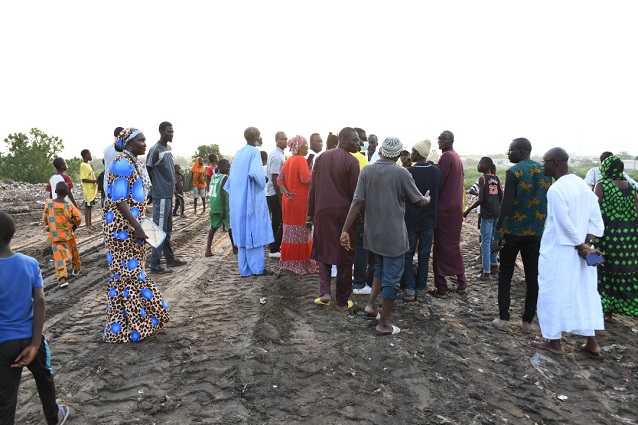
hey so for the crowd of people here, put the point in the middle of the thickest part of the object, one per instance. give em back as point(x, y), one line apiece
point(357, 212)
point(367, 220)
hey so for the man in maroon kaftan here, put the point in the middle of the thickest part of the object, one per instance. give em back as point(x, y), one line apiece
point(334, 178)
point(447, 258)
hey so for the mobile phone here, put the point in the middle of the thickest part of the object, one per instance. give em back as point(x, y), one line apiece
point(594, 259)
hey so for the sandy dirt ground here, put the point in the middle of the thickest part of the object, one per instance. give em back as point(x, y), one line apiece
point(258, 351)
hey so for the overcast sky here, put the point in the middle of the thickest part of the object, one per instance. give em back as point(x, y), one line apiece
point(561, 73)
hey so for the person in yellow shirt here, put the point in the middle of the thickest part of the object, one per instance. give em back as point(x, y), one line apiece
point(361, 157)
point(89, 185)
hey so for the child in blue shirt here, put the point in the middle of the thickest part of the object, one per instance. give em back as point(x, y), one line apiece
point(22, 344)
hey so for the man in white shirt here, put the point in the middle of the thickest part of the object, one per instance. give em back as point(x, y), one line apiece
point(594, 174)
point(316, 146)
point(274, 165)
point(373, 155)
point(109, 154)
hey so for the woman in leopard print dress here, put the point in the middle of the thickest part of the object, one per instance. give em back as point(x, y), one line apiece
point(135, 307)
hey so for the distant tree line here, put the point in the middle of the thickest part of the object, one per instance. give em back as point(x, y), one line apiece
point(29, 157)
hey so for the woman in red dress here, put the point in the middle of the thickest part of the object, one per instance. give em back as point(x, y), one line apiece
point(294, 182)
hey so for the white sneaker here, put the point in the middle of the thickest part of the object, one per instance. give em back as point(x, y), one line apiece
point(274, 255)
point(366, 290)
point(63, 414)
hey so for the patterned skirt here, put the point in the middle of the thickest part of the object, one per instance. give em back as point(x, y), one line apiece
point(618, 276)
point(135, 307)
point(296, 244)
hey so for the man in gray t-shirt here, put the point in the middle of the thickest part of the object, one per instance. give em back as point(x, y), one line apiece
point(159, 163)
point(382, 189)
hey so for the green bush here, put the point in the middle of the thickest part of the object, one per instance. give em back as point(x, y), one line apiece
point(30, 157)
point(580, 172)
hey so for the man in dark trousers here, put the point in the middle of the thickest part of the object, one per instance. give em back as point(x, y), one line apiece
point(421, 221)
point(274, 165)
point(520, 225)
point(334, 178)
point(159, 163)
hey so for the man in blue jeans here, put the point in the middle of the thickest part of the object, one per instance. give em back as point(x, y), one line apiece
point(360, 284)
point(382, 189)
point(420, 221)
point(490, 196)
point(159, 163)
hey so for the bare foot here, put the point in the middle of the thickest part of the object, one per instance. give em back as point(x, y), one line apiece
point(208, 253)
point(551, 346)
point(608, 317)
point(387, 330)
point(370, 312)
point(346, 307)
point(323, 300)
point(592, 347)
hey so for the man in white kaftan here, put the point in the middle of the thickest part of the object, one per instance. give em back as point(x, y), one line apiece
point(249, 216)
point(568, 299)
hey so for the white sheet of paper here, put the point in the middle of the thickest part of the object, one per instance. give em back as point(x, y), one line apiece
point(155, 234)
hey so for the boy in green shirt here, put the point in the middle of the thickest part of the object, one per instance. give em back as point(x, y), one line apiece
point(219, 207)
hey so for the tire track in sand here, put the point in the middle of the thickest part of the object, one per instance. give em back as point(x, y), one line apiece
point(184, 373)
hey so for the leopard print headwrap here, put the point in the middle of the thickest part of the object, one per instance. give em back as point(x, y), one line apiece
point(126, 135)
